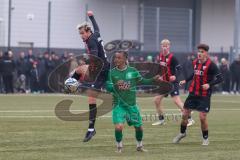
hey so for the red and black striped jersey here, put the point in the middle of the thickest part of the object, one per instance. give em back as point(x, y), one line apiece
point(169, 64)
point(204, 73)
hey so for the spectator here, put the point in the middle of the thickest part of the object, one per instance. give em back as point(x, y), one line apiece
point(131, 59)
point(42, 72)
point(22, 64)
point(64, 57)
point(187, 70)
point(44, 78)
point(30, 59)
point(56, 59)
point(235, 72)
point(49, 65)
point(8, 68)
point(141, 59)
point(34, 78)
point(224, 69)
point(1, 80)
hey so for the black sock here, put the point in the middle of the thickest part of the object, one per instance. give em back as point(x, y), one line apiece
point(92, 115)
point(205, 134)
point(189, 117)
point(161, 117)
point(183, 129)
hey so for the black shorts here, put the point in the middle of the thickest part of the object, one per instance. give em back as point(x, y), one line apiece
point(199, 103)
point(99, 83)
point(175, 90)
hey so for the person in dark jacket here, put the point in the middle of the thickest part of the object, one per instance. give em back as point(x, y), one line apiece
point(8, 68)
point(1, 81)
point(224, 69)
point(21, 64)
point(30, 59)
point(34, 78)
point(187, 70)
point(235, 70)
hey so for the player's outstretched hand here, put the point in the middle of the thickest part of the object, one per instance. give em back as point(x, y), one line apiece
point(206, 86)
point(172, 78)
point(158, 78)
point(182, 82)
point(90, 13)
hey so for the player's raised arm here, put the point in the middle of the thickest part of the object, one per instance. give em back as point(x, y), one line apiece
point(94, 23)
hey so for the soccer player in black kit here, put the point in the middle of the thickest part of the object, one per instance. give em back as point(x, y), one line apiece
point(97, 59)
point(170, 70)
point(206, 74)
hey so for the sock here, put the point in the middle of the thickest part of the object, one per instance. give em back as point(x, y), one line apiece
point(139, 144)
point(183, 129)
point(189, 117)
point(119, 144)
point(118, 136)
point(92, 115)
point(205, 134)
point(161, 117)
point(139, 135)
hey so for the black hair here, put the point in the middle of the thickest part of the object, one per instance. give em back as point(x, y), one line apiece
point(125, 53)
point(203, 46)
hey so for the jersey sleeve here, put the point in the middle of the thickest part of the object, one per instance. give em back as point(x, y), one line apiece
point(190, 77)
point(141, 80)
point(175, 66)
point(217, 75)
point(94, 23)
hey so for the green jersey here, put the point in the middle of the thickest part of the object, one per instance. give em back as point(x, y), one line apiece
point(123, 84)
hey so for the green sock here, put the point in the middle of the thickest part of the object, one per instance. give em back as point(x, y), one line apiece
point(139, 134)
point(118, 135)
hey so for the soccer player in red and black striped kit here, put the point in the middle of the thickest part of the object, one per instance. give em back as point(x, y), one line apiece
point(170, 71)
point(98, 59)
point(206, 74)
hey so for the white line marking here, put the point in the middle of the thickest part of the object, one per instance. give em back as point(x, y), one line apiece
point(52, 111)
point(104, 116)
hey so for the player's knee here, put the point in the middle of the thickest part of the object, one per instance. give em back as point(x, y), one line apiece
point(157, 99)
point(92, 100)
point(184, 117)
point(119, 127)
point(176, 101)
point(203, 117)
point(184, 120)
point(139, 128)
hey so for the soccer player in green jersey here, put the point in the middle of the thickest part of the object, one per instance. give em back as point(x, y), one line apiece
point(122, 82)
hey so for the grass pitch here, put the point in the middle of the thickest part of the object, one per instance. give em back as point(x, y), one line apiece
point(29, 130)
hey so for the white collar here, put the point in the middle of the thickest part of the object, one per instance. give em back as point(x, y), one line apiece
point(122, 69)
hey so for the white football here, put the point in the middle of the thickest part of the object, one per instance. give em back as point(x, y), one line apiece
point(71, 85)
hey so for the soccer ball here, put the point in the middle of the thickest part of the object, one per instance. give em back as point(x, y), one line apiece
point(71, 85)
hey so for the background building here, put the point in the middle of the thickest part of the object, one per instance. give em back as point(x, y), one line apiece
point(185, 22)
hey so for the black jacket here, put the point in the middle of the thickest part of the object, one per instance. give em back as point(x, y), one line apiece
point(7, 66)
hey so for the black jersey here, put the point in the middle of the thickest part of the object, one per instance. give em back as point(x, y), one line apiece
point(95, 43)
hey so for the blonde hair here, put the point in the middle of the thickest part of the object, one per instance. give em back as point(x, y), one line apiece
point(165, 41)
point(85, 25)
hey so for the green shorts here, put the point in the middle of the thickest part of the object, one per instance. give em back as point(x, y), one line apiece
point(131, 114)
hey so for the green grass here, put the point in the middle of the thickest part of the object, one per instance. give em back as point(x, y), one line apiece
point(29, 130)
